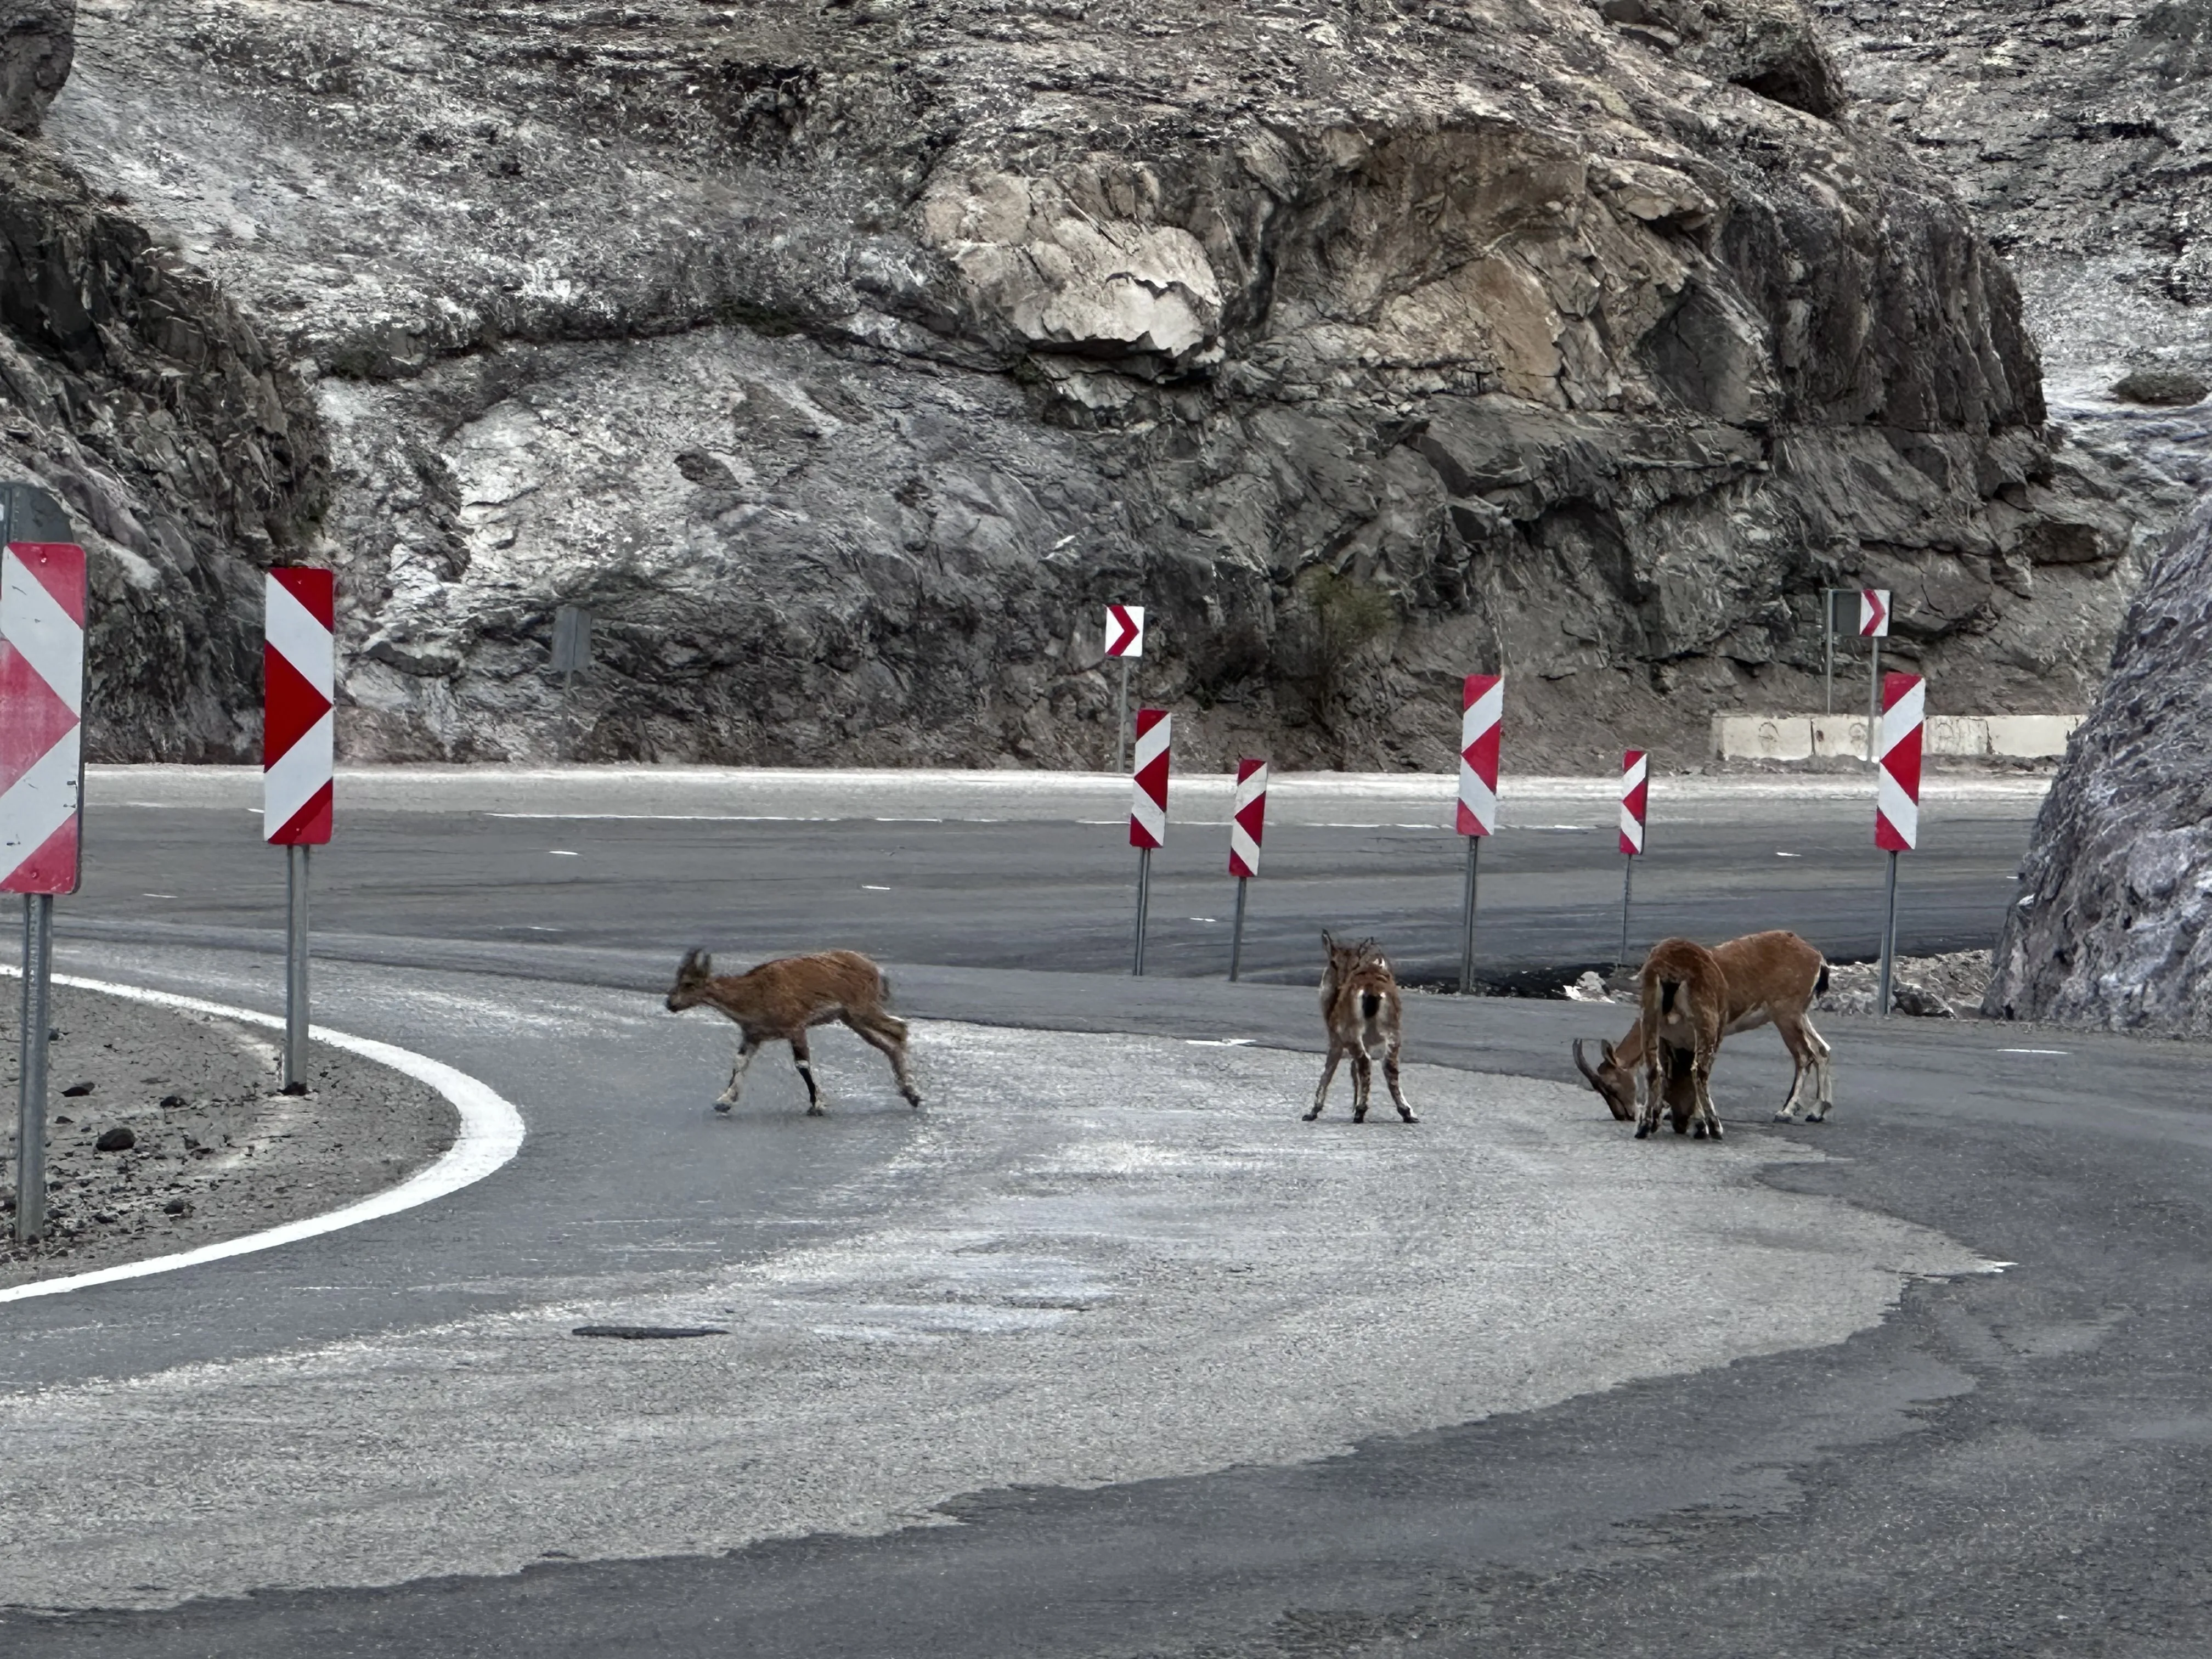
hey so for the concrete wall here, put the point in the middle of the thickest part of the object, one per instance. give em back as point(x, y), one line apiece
point(1801, 736)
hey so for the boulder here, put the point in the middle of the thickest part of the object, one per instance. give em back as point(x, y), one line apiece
point(2112, 925)
point(38, 39)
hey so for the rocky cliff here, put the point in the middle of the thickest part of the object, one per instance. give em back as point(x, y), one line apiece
point(2113, 925)
point(843, 359)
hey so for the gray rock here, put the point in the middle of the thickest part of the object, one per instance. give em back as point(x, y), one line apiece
point(1906, 998)
point(2161, 387)
point(118, 1140)
point(37, 39)
point(2110, 926)
point(843, 361)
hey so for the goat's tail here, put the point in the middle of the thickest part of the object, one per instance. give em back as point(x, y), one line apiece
point(1371, 1004)
point(1668, 989)
point(1820, 985)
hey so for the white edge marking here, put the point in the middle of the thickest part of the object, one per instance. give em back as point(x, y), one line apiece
point(491, 1134)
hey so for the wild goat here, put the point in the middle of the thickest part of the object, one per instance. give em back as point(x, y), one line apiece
point(1359, 1004)
point(1684, 993)
point(783, 998)
point(1771, 976)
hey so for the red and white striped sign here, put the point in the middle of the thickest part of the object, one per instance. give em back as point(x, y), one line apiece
point(299, 665)
point(1897, 797)
point(1247, 820)
point(1125, 630)
point(1635, 798)
point(1480, 715)
point(1873, 613)
point(42, 588)
point(1148, 813)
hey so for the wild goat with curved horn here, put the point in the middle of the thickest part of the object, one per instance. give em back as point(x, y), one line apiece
point(783, 999)
point(1773, 976)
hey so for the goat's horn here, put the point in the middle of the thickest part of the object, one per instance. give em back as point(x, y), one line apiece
point(1585, 1065)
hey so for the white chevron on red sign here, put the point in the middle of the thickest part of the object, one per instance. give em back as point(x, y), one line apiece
point(42, 588)
point(1148, 814)
point(1479, 717)
point(1635, 798)
point(298, 728)
point(1125, 630)
point(1873, 613)
point(1248, 819)
point(1897, 786)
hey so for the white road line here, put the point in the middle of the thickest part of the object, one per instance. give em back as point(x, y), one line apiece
point(491, 1134)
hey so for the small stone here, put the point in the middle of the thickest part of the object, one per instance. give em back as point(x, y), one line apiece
point(170, 1103)
point(178, 1206)
point(78, 1091)
point(294, 1089)
point(118, 1140)
point(1910, 998)
point(63, 1117)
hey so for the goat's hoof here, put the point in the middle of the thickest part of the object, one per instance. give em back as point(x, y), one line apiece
point(723, 1107)
point(818, 1111)
point(1409, 1117)
point(1717, 1135)
point(913, 1099)
point(1817, 1117)
point(1791, 1117)
point(1642, 1132)
point(1311, 1115)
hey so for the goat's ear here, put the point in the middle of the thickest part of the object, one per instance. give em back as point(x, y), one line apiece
point(1328, 940)
point(1606, 1048)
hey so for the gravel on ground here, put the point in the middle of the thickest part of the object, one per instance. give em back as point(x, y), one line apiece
point(204, 1146)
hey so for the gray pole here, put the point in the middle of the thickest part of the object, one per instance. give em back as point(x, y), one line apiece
point(296, 972)
point(1627, 886)
point(1873, 699)
point(1467, 936)
point(1121, 722)
point(1828, 650)
point(31, 1097)
point(1888, 942)
point(1144, 903)
point(1236, 932)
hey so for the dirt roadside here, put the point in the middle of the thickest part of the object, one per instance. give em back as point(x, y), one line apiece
point(217, 1148)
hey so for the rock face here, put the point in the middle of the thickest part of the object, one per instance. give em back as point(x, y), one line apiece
point(2113, 926)
point(37, 40)
point(2081, 139)
point(844, 361)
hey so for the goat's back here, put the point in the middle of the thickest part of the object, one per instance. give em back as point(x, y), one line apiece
point(795, 990)
point(1682, 981)
point(1775, 969)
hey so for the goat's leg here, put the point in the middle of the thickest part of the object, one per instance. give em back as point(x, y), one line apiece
point(1391, 1077)
point(887, 1037)
point(1327, 1077)
point(1709, 1121)
point(1362, 1079)
point(1823, 1075)
point(816, 1106)
point(1792, 1033)
point(746, 1050)
point(1655, 1089)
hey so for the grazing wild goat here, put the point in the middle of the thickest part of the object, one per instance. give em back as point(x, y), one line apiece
point(1684, 1012)
point(1359, 1004)
point(1771, 976)
point(781, 999)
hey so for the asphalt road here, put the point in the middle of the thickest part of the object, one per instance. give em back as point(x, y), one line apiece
point(2014, 1464)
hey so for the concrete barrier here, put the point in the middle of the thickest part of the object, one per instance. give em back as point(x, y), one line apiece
point(1801, 736)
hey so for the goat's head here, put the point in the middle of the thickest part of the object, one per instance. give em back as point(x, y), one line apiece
point(1343, 959)
point(1614, 1081)
point(691, 976)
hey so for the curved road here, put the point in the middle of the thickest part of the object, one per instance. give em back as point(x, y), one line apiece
point(1690, 1422)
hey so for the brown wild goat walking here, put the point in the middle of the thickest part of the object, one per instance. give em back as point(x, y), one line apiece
point(1771, 976)
point(1685, 1011)
point(1359, 1002)
point(781, 999)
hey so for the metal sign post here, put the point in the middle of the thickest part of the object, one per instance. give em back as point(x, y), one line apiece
point(42, 612)
point(1248, 823)
point(1897, 798)
point(1148, 811)
point(299, 740)
point(1125, 638)
point(1827, 650)
point(1635, 802)
point(1874, 627)
point(1482, 711)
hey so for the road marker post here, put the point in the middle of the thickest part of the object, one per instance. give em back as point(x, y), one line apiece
point(42, 611)
point(1874, 628)
point(1482, 709)
point(1148, 811)
point(1635, 800)
point(1248, 823)
point(299, 661)
point(1897, 797)
point(1125, 639)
